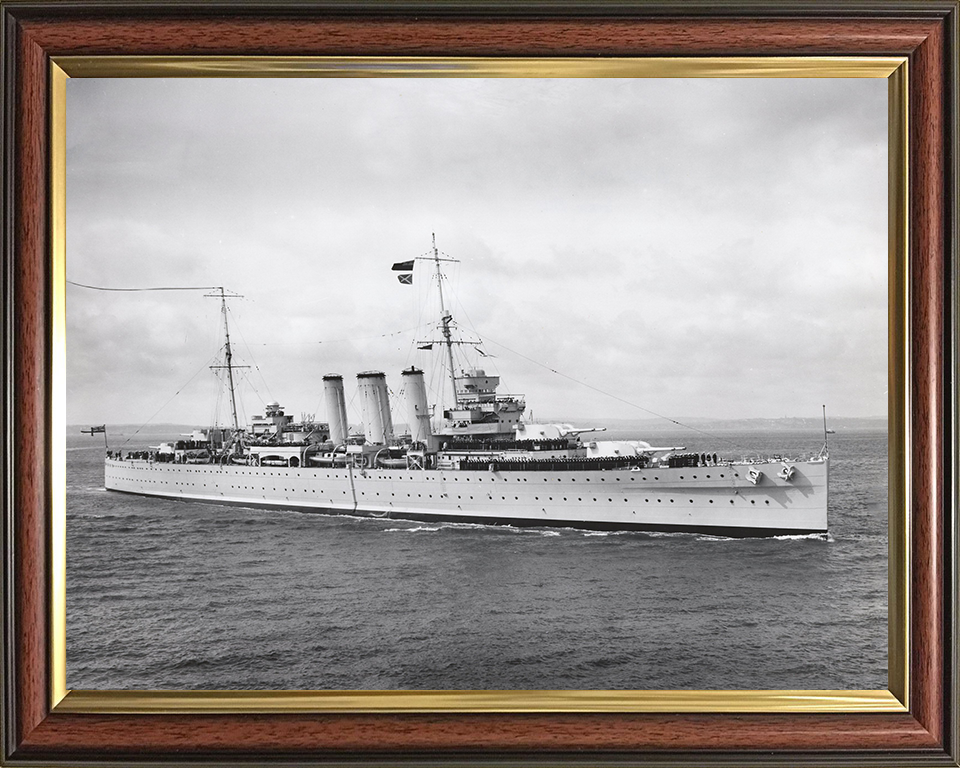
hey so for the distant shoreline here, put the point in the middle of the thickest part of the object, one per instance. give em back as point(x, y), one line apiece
point(783, 424)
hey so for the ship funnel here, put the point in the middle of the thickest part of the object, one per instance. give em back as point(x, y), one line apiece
point(336, 408)
point(377, 424)
point(418, 412)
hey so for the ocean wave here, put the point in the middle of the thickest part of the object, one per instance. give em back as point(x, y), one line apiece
point(96, 515)
point(415, 529)
point(805, 537)
point(708, 537)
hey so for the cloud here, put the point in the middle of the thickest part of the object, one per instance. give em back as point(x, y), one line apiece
point(705, 247)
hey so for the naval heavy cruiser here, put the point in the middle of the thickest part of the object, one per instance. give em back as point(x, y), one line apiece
point(480, 460)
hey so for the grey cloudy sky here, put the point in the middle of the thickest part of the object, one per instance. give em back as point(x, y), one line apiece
point(701, 248)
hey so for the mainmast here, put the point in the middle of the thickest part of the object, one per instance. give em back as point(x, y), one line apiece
point(445, 319)
point(228, 353)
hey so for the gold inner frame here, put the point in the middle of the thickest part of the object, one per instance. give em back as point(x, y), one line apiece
point(894, 69)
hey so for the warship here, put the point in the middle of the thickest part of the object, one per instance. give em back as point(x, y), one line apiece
point(477, 460)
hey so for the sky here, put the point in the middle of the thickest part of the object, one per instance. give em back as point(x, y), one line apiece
point(703, 248)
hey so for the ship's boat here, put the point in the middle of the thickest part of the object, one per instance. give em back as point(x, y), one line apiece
point(481, 462)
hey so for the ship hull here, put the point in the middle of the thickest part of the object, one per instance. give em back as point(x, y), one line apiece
point(717, 500)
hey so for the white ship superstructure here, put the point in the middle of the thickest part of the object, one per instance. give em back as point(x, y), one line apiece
point(481, 463)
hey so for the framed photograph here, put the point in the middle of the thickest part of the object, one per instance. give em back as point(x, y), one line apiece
point(406, 265)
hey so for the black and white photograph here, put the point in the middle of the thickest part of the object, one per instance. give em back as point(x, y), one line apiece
point(414, 383)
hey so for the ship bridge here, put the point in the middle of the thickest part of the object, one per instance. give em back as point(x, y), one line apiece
point(479, 410)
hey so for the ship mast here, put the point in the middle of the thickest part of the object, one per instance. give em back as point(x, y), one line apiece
point(445, 319)
point(228, 353)
point(825, 433)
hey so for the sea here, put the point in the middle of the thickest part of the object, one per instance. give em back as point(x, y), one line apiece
point(166, 594)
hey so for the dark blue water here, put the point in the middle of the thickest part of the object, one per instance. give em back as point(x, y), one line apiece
point(176, 595)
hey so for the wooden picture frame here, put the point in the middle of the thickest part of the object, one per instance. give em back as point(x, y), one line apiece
point(40, 729)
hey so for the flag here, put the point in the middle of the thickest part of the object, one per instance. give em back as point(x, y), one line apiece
point(406, 279)
point(94, 430)
point(425, 346)
point(403, 266)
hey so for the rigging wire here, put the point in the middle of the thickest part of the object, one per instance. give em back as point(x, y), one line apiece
point(473, 329)
point(365, 338)
point(256, 366)
point(215, 357)
point(155, 288)
point(344, 341)
point(608, 394)
point(134, 434)
point(386, 335)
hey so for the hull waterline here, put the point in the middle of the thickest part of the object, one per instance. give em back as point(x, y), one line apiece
point(719, 500)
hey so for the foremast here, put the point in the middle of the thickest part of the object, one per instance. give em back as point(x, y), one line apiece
point(445, 319)
point(477, 410)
